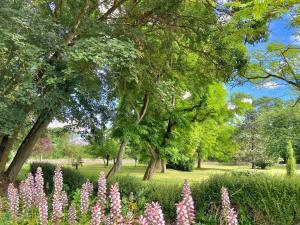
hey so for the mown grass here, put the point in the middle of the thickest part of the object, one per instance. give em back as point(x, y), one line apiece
point(171, 176)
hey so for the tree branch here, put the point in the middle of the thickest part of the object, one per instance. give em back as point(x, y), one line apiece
point(83, 13)
point(115, 6)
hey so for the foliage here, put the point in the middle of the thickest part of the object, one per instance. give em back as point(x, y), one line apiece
point(290, 160)
point(183, 165)
point(256, 208)
point(72, 179)
point(34, 204)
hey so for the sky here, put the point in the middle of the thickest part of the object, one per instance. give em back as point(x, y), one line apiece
point(280, 31)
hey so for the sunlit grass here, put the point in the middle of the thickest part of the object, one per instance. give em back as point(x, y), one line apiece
point(171, 176)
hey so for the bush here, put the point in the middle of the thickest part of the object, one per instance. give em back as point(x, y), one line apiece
point(291, 161)
point(183, 165)
point(72, 178)
point(259, 199)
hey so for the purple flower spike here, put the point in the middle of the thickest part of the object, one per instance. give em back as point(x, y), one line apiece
point(182, 214)
point(115, 204)
point(154, 213)
point(72, 214)
point(13, 201)
point(96, 215)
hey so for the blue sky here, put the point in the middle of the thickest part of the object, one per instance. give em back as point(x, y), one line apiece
point(280, 31)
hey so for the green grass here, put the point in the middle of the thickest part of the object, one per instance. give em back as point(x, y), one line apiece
point(171, 176)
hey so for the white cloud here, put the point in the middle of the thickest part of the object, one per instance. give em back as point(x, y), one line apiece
point(269, 85)
point(231, 106)
point(247, 100)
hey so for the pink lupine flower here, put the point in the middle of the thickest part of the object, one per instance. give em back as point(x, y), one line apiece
point(43, 208)
point(13, 201)
point(225, 200)
point(186, 190)
point(1, 204)
point(231, 217)
point(39, 184)
point(228, 213)
point(115, 204)
point(85, 192)
point(154, 213)
point(102, 189)
point(142, 221)
point(188, 202)
point(58, 179)
point(182, 214)
point(57, 203)
point(64, 199)
point(31, 187)
point(96, 215)
point(72, 214)
point(57, 208)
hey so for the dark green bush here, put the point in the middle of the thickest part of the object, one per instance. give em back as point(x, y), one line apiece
point(72, 178)
point(183, 165)
point(259, 199)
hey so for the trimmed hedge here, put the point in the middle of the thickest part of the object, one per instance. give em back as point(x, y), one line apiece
point(72, 178)
point(183, 165)
point(259, 199)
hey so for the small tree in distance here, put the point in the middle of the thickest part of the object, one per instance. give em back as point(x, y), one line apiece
point(290, 160)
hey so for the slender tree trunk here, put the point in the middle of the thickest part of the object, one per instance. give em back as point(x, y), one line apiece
point(135, 162)
point(199, 160)
point(5, 148)
point(152, 164)
point(117, 165)
point(140, 115)
point(26, 147)
point(107, 160)
point(163, 166)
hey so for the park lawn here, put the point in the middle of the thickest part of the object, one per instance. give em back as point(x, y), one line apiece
point(171, 176)
point(177, 177)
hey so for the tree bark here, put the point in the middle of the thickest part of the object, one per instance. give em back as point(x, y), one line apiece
point(107, 160)
point(199, 160)
point(152, 165)
point(5, 148)
point(163, 166)
point(140, 115)
point(117, 165)
point(26, 147)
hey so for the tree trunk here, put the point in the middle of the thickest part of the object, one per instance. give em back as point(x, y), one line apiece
point(5, 148)
point(107, 160)
point(152, 165)
point(163, 166)
point(253, 165)
point(26, 147)
point(199, 161)
point(135, 162)
point(117, 165)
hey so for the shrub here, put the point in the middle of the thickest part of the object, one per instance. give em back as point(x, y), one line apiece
point(183, 165)
point(290, 160)
point(260, 199)
point(72, 178)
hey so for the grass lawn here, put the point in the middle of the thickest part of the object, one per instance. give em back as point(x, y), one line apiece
point(171, 176)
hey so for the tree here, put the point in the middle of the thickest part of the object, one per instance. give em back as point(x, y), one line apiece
point(61, 50)
point(279, 64)
point(43, 147)
point(291, 162)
